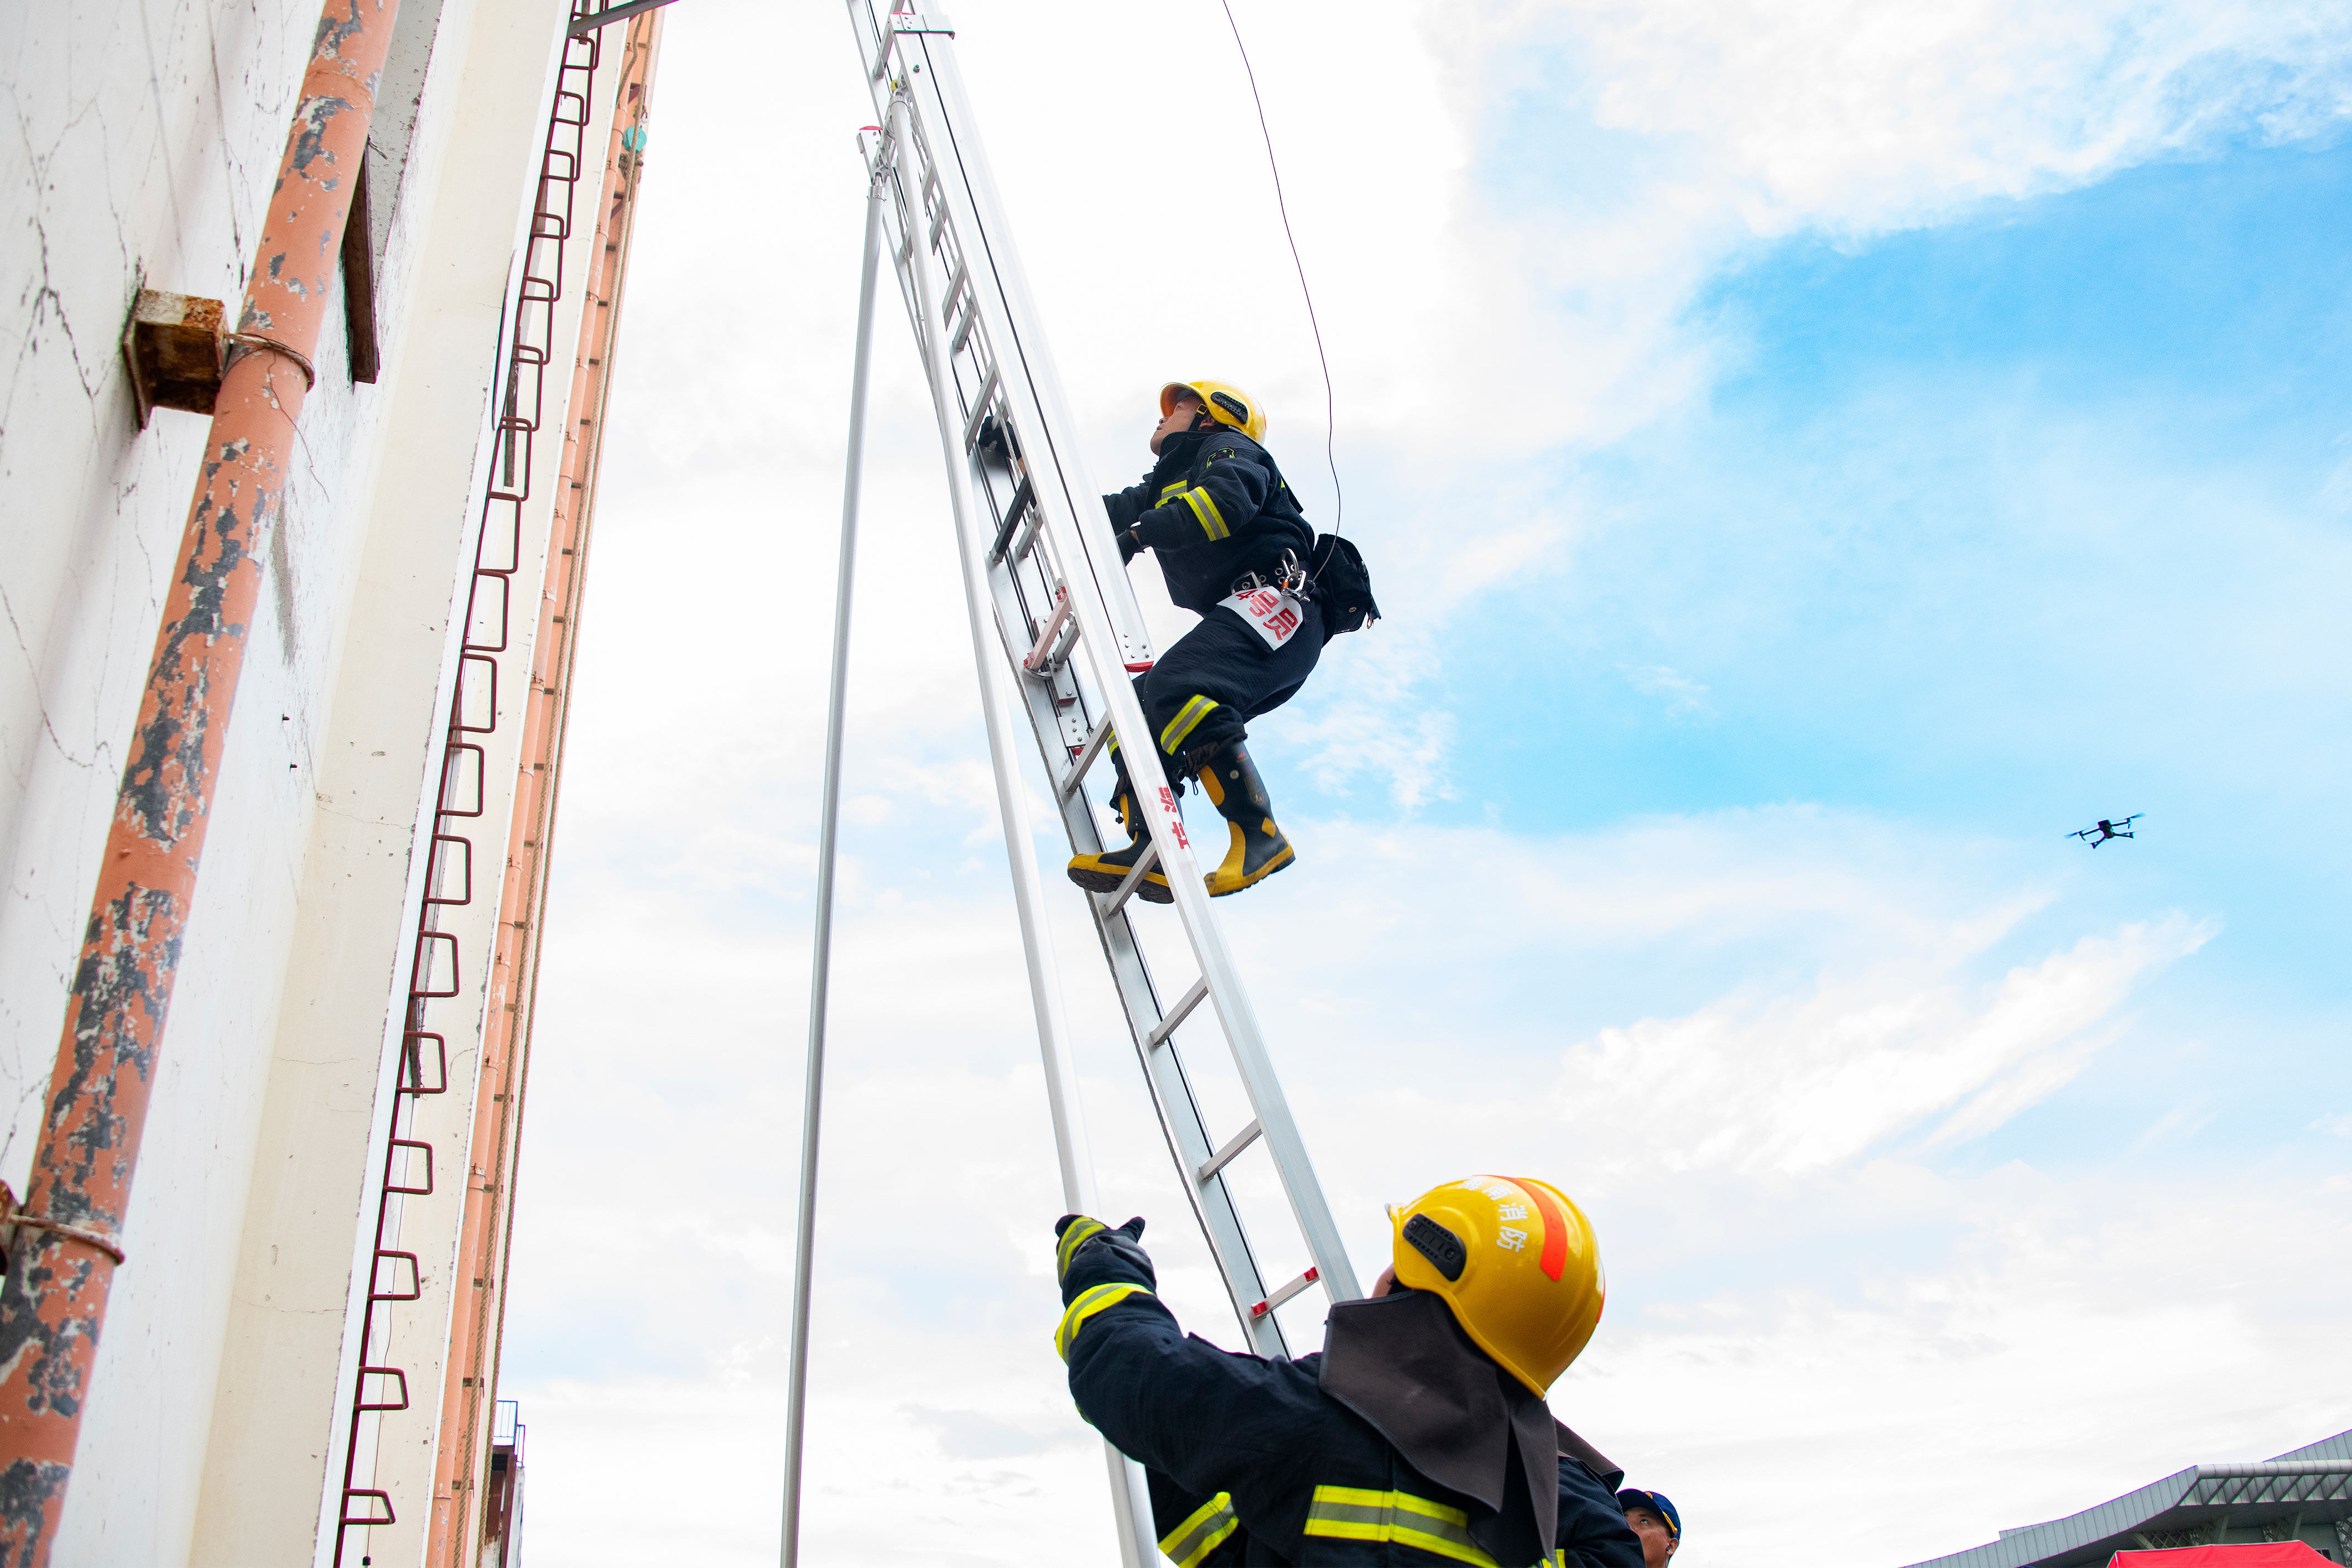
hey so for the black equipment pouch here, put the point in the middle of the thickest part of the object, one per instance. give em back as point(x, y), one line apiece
point(1340, 583)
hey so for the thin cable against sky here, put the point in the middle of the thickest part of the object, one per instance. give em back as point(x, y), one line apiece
point(1330, 425)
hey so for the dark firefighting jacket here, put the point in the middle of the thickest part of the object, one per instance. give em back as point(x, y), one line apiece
point(1400, 1443)
point(1213, 508)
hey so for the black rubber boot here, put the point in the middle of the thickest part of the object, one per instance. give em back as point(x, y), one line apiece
point(1105, 871)
point(1259, 850)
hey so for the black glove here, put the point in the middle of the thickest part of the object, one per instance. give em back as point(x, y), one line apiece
point(1130, 547)
point(1089, 1252)
point(994, 442)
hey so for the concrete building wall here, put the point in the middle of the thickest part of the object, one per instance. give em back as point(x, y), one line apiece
point(150, 135)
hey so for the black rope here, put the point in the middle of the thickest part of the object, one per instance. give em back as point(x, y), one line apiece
point(1330, 423)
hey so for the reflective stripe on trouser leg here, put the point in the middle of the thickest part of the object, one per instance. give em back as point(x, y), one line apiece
point(1359, 1513)
point(1203, 1533)
point(1188, 719)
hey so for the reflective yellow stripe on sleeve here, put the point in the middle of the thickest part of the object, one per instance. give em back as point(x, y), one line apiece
point(1188, 719)
point(1203, 1533)
point(1212, 521)
point(1357, 1513)
point(1080, 1232)
point(1092, 1300)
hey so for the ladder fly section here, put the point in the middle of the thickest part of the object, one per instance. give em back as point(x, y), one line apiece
point(1035, 536)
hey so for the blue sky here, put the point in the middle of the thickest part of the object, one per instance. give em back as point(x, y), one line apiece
point(1811, 461)
point(1997, 525)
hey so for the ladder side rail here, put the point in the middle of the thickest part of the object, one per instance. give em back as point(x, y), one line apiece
point(1137, 1542)
point(927, 75)
point(1178, 1109)
point(937, 99)
point(991, 231)
point(1183, 1123)
point(1036, 574)
point(1073, 522)
point(877, 39)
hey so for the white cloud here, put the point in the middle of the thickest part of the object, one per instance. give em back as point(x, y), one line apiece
point(1683, 698)
point(1768, 1046)
point(1858, 118)
point(1879, 997)
point(2082, 1342)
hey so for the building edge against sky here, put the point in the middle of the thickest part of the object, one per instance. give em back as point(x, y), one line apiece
point(2304, 1494)
point(219, 1420)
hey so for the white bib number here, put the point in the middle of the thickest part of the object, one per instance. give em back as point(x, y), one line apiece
point(1271, 613)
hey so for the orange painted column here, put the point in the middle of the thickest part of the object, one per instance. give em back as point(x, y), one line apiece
point(467, 1403)
point(67, 1235)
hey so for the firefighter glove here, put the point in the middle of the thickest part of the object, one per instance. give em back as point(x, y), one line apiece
point(1089, 1252)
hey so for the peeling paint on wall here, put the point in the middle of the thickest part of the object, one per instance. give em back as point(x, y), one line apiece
point(146, 137)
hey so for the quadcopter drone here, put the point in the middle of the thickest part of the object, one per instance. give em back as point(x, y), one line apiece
point(2106, 830)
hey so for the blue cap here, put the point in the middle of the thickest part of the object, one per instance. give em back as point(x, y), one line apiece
point(1656, 1501)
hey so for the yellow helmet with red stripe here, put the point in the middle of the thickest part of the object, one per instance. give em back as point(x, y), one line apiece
point(1226, 404)
point(1518, 1263)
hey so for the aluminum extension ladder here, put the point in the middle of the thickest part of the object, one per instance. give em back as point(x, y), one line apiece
point(1054, 619)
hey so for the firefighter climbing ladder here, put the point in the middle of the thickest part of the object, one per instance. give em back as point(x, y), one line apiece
point(1052, 618)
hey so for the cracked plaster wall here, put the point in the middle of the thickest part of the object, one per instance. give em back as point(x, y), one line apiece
point(141, 144)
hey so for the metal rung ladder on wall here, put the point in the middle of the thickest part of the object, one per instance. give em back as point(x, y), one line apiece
point(1056, 619)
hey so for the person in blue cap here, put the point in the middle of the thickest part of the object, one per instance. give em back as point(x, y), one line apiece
point(1652, 1519)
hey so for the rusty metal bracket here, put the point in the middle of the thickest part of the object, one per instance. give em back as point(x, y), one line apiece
point(176, 349)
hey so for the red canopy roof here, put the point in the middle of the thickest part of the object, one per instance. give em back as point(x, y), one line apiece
point(2254, 1554)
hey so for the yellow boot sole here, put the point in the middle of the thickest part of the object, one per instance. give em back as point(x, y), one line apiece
point(1097, 874)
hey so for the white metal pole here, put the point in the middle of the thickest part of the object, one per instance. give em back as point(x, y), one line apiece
point(821, 963)
point(1129, 1497)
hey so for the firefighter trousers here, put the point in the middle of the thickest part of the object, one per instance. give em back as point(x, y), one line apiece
point(1219, 675)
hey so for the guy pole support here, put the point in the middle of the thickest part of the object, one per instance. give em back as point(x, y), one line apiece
point(828, 829)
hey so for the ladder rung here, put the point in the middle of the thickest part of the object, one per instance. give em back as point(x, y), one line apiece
point(1024, 495)
point(1233, 1146)
point(1060, 653)
point(1039, 656)
point(963, 333)
point(1178, 1013)
point(1020, 546)
point(1143, 865)
point(978, 408)
point(1283, 1295)
point(1085, 758)
point(960, 287)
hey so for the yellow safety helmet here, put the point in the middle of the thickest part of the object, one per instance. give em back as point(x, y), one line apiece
point(1518, 1263)
point(1226, 406)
